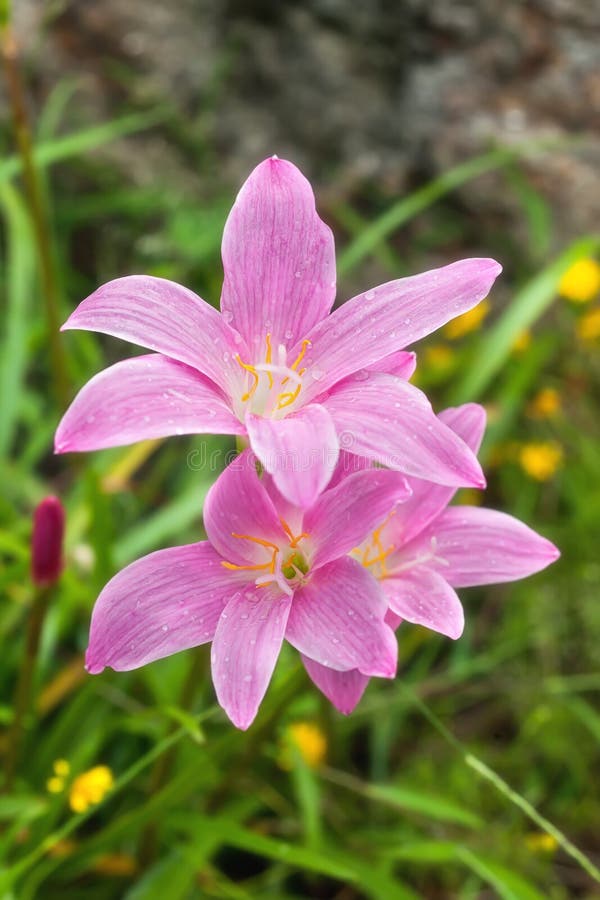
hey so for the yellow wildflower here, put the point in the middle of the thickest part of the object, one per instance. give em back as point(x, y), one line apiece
point(581, 281)
point(469, 321)
point(522, 342)
point(55, 785)
point(545, 404)
point(588, 326)
point(89, 788)
point(540, 460)
point(309, 740)
point(540, 841)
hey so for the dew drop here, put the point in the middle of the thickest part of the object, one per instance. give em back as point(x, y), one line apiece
point(316, 374)
point(370, 295)
point(165, 628)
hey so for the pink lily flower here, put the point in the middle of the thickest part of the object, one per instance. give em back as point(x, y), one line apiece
point(276, 366)
point(268, 571)
point(423, 549)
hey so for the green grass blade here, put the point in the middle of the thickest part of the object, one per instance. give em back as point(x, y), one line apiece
point(432, 806)
point(528, 305)
point(488, 774)
point(159, 528)
point(71, 145)
point(508, 885)
point(19, 281)
point(407, 208)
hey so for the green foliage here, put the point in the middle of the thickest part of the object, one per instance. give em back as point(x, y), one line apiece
point(469, 777)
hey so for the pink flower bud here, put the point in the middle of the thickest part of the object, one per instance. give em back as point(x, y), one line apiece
point(46, 542)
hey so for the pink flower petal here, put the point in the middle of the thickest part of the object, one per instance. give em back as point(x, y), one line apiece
point(343, 689)
point(238, 504)
point(391, 421)
point(393, 620)
point(422, 596)
point(278, 258)
point(245, 649)
point(145, 397)
point(481, 546)
point(402, 364)
point(428, 499)
point(388, 318)
point(348, 463)
point(337, 620)
point(166, 317)
point(343, 517)
point(300, 451)
point(163, 603)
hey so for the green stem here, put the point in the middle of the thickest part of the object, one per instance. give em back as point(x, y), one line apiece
point(35, 202)
point(23, 691)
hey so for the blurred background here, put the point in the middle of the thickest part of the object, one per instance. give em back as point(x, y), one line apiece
point(431, 132)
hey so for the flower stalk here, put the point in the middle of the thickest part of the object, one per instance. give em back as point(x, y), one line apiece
point(46, 566)
point(9, 51)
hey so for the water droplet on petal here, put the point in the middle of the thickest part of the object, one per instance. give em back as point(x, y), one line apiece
point(369, 295)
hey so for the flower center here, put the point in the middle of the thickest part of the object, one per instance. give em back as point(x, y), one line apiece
point(284, 568)
point(271, 388)
point(372, 553)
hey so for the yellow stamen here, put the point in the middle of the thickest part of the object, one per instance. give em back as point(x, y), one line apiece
point(258, 567)
point(376, 542)
point(254, 374)
point(268, 358)
point(300, 357)
point(288, 397)
point(297, 361)
point(294, 541)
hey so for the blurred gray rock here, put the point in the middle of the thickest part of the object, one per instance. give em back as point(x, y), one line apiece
point(376, 91)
